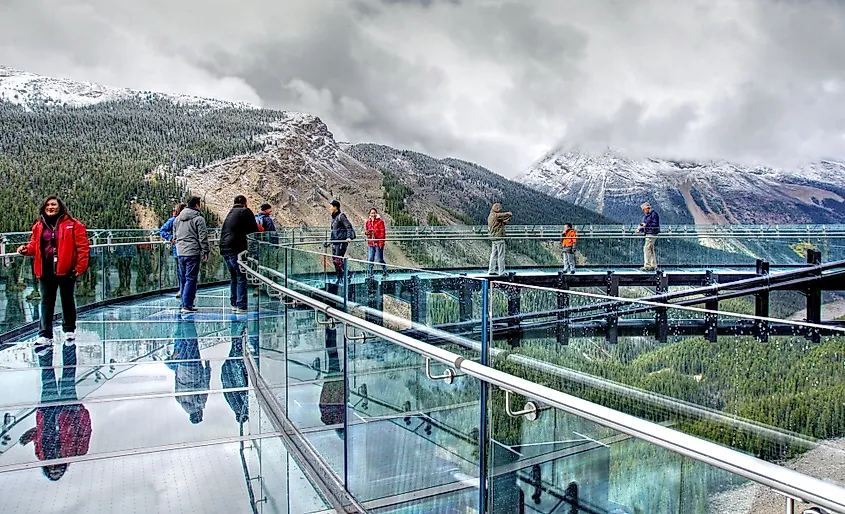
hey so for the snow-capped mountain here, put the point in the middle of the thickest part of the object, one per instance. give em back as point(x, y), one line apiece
point(688, 192)
point(24, 88)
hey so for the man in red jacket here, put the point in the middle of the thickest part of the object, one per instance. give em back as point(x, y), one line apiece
point(376, 233)
point(59, 244)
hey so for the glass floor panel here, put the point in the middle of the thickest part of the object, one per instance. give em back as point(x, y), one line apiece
point(149, 411)
point(250, 477)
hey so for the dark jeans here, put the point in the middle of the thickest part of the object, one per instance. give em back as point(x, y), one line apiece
point(190, 269)
point(179, 274)
point(237, 285)
point(338, 251)
point(50, 285)
point(376, 254)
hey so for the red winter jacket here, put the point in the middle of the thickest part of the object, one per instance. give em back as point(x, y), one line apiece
point(74, 432)
point(375, 232)
point(72, 246)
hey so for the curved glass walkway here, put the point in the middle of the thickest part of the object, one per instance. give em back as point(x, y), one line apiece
point(436, 388)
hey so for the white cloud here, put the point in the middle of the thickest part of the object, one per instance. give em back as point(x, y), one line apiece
point(496, 82)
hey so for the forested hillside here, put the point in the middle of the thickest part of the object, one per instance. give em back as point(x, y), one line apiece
point(103, 157)
point(465, 190)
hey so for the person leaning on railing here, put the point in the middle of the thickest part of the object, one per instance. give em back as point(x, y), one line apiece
point(59, 245)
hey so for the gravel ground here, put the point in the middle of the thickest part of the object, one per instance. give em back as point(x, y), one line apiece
point(826, 462)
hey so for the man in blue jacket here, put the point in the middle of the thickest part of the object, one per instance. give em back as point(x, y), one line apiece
point(651, 228)
point(166, 233)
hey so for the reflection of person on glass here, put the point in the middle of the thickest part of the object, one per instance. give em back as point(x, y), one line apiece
point(60, 430)
point(332, 401)
point(191, 374)
point(234, 375)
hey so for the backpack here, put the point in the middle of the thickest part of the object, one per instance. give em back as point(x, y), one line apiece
point(259, 220)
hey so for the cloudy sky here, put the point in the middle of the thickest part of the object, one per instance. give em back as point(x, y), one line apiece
point(498, 82)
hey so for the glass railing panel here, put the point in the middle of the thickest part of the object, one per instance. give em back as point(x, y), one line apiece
point(20, 302)
point(409, 436)
point(314, 271)
point(132, 268)
point(214, 270)
point(560, 462)
point(435, 307)
point(20, 297)
point(284, 488)
point(766, 388)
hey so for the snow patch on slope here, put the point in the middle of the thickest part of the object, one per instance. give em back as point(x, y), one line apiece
point(27, 89)
point(708, 192)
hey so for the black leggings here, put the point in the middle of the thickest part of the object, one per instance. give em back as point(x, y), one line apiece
point(50, 285)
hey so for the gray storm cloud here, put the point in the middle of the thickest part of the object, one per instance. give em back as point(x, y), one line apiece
point(495, 82)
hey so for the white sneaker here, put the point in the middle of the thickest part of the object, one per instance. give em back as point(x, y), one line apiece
point(70, 337)
point(43, 341)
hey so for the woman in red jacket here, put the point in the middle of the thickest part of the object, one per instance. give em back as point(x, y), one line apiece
point(375, 231)
point(59, 244)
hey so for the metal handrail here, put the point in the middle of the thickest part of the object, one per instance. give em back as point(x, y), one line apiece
point(112, 245)
point(649, 397)
point(783, 480)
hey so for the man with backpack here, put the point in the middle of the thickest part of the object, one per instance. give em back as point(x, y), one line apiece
point(265, 222)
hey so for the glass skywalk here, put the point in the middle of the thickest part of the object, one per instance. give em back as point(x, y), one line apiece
point(409, 392)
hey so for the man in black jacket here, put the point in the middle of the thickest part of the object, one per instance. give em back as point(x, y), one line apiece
point(342, 235)
point(239, 223)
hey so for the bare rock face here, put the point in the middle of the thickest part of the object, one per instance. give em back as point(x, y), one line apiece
point(300, 171)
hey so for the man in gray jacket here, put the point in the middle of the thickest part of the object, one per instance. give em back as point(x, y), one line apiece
point(496, 222)
point(191, 236)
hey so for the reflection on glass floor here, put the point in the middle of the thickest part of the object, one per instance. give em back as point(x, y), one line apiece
point(147, 412)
